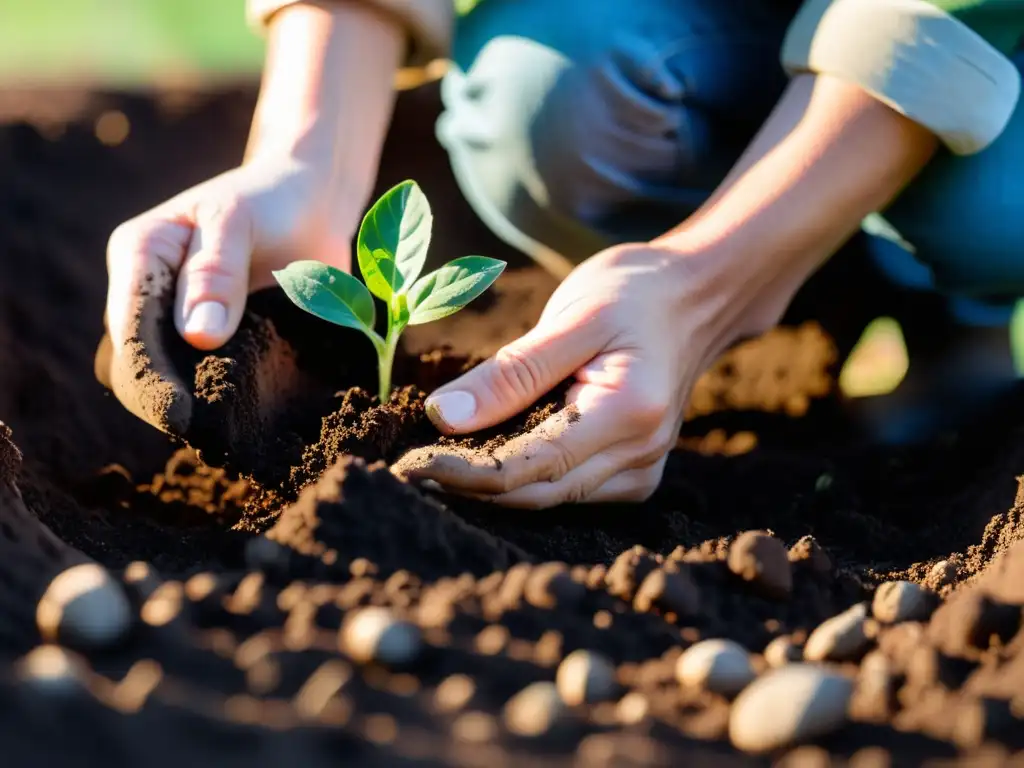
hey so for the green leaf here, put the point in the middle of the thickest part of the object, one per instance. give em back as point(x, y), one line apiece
point(393, 240)
point(328, 293)
point(451, 287)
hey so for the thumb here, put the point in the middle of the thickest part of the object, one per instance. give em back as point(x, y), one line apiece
point(213, 283)
point(517, 376)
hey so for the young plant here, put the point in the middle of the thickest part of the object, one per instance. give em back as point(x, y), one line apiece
point(391, 250)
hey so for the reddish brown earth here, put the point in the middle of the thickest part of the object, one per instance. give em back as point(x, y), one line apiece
point(234, 647)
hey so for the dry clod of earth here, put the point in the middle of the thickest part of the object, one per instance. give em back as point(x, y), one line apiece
point(762, 560)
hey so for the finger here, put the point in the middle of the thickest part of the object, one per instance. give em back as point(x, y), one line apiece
point(143, 256)
point(633, 485)
point(590, 423)
point(214, 282)
point(605, 478)
point(518, 375)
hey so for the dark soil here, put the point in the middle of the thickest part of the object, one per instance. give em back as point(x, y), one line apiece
point(239, 636)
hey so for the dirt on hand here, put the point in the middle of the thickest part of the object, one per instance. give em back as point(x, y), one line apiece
point(272, 593)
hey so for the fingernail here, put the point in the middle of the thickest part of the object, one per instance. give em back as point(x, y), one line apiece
point(208, 318)
point(451, 411)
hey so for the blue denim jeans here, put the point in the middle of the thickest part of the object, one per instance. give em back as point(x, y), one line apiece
point(576, 124)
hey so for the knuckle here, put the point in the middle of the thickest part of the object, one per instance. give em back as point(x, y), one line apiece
point(575, 492)
point(210, 267)
point(220, 210)
point(558, 462)
point(517, 373)
point(143, 244)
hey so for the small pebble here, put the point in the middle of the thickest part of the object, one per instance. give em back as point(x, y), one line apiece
point(899, 601)
point(789, 706)
point(585, 677)
point(782, 651)
point(942, 573)
point(51, 668)
point(761, 560)
point(841, 638)
point(632, 708)
point(721, 666)
point(375, 634)
point(84, 607)
point(534, 711)
point(454, 693)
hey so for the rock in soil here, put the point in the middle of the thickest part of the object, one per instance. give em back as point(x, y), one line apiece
point(841, 638)
point(897, 601)
point(585, 677)
point(789, 706)
point(720, 666)
point(84, 607)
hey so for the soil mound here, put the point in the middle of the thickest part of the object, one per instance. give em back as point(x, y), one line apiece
point(272, 593)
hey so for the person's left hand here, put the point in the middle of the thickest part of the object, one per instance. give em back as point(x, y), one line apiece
point(635, 325)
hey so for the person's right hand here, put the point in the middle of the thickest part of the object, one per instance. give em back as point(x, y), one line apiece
point(199, 255)
point(220, 240)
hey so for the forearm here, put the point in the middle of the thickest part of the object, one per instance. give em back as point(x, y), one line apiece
point(327, 94)
point(829, 155)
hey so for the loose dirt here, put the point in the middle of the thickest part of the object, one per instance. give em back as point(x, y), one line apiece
point(247, 556)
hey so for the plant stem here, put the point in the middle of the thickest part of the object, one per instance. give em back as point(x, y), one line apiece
point(385, 362)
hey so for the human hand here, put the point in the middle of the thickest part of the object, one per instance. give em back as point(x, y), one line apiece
point(635, 326)
point(199, 255)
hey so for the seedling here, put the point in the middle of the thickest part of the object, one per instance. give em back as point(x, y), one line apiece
point(391, 250)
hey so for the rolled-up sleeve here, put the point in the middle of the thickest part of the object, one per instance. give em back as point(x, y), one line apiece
point(429, 23)
point(913, 55)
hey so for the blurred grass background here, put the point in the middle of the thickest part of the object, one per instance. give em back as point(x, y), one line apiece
point(195, 43)
point(126, 43)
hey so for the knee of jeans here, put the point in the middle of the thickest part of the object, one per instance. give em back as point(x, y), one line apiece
point(587, 137)
point(613, 134)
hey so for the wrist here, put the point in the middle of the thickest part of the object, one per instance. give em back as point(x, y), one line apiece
point(327, 93)
point(729, 287)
